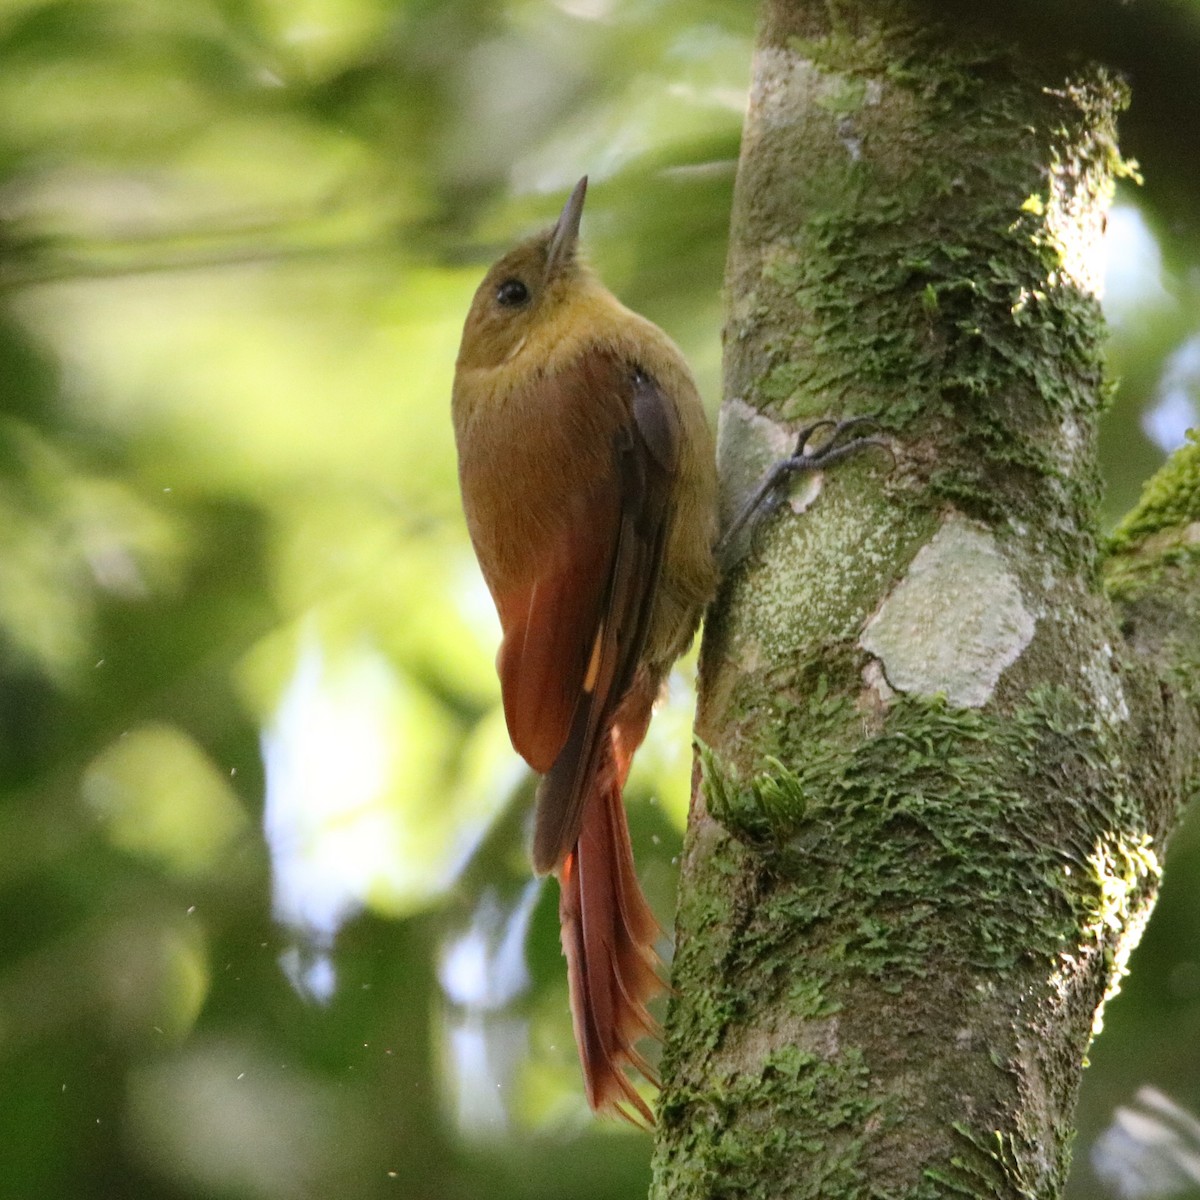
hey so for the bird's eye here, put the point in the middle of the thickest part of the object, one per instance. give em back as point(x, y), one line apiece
point(512, 293)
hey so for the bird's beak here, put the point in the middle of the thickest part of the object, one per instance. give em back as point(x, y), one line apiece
point(566, 232)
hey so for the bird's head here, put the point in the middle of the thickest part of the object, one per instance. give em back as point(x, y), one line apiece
point(525, 289)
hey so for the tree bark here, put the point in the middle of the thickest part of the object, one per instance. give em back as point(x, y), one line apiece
point(937, 766)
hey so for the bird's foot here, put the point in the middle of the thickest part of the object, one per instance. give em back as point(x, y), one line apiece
point(831, 449)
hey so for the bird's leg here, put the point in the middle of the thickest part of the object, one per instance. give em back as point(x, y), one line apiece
point(831, 450)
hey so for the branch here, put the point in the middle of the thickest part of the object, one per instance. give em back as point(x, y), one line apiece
point(923, 839)
point(1152, 575)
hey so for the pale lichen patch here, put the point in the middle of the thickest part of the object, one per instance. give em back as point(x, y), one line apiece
point(876, 696)
point(1103, 681)
point(776, 75)
point(844, 555)
point(956, 620)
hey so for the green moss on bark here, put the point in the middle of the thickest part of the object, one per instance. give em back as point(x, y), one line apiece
point(899, 917)
point(1170, 500)
point(1152, 571)
point(948, 855)
point(945, 836)
point(936, 272)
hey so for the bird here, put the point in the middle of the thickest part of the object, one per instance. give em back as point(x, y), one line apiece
point(589, 484)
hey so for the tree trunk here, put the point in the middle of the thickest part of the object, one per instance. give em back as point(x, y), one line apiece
point(937, 767)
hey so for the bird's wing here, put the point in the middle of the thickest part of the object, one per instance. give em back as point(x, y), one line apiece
point(574, 631)
point(549, 623)
point(645, 451)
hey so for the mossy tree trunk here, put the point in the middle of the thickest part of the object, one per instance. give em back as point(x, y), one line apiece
point(938, 763)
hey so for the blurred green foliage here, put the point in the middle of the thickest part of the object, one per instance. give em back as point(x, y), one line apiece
point(264, 892)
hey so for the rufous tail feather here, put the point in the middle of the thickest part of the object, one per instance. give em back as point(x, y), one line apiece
point(608, 936)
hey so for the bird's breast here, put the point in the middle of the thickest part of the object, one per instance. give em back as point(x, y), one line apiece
point(531, 451)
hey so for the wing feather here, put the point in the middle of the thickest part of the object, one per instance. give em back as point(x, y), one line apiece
point(549, 634)
point(644, 451)
point(575, 588)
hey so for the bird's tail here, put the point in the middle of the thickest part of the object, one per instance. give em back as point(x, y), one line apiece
point(608, 936)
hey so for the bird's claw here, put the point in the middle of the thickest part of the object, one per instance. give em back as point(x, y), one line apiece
point(833, 449)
